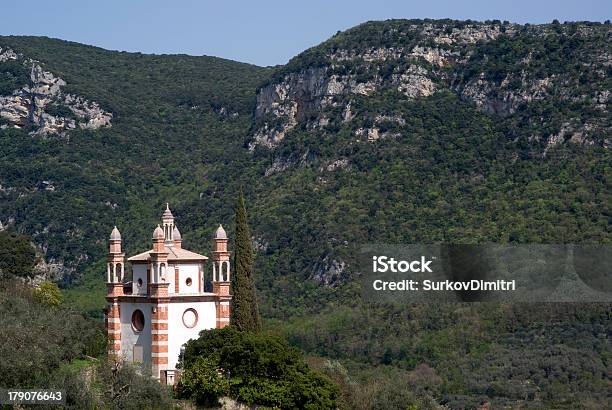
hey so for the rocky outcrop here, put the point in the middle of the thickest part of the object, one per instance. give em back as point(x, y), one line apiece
point(418, 60)
point(50, 271)
point(329, 271)
point(342, 163)
point(281, 106)
point(42, 105)
point(280, 164)
point(418, 71)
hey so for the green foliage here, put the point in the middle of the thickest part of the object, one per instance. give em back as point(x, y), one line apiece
point(48, 294)
point(106, 384)
point(191, 107)
point(17, 255)
point(35, 340)
point(245, 312)
point(261, 369)
point(13, 75)
point(203, 382)
point(462, 354)
point(450, 173)
point(53, 348)
point(58, 110)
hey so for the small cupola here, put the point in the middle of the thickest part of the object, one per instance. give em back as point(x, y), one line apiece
point(220, 233)
point(158, 239)
point(176, 238)
point(158, 233)
point(115, 235)
point(168, 224)
point(115, 241)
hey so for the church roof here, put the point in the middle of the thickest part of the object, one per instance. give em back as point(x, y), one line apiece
point(174, 254)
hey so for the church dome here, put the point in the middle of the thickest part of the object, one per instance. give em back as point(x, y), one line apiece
point(158, 233)
point(176, 234)
point(220, 233)
point(115, 235)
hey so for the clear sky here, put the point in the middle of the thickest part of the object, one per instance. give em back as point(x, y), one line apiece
point(255, 31)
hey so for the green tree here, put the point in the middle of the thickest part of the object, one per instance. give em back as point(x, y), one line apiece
point(17, 255)
point(245, 313)
point(203, 382)
point(48, 294)
point(259, 368)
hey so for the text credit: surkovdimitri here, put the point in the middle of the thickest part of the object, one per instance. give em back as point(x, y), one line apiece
point(385, 264)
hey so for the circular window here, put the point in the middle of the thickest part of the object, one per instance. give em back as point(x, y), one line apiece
point(190, 318)
point(188, 281)
point(139, 282)
point(138, 320)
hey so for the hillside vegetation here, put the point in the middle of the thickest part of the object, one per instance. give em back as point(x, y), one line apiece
point(403, 131)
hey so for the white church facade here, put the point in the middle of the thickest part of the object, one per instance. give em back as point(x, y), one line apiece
point(149, 318)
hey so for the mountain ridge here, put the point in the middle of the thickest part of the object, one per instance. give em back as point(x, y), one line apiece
point(388, 151)
point(403, 47)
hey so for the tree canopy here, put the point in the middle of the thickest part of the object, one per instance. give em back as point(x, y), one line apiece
point(253, 368)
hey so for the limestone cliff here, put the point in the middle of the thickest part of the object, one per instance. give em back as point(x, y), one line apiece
point(39, 103)
point(496, 66)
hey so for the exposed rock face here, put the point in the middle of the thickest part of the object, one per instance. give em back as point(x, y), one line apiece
point(282, 163)
point(418, 60)
point(281, 106)
point(50, 271)
point(342, 163)
point(417, 72)
point(329, 271)
point(43, 106)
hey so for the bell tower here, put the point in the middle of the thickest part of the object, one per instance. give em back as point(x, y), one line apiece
point(114, 290)
point(115, 268)
point(158, 292)
point(221, 276)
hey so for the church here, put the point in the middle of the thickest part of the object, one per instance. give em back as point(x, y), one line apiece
point(149, 318)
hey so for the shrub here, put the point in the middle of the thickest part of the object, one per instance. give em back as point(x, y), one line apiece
point(203, 382)
point(259, 368)
point(48, 294)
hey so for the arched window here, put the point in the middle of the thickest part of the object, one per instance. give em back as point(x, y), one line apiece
point(138, 320)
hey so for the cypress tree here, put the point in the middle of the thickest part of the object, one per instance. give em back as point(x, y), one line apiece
point(245, 313)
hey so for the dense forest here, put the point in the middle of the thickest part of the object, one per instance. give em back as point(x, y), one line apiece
point(443, 131)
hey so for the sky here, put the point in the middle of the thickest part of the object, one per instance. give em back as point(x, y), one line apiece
point(259, 32)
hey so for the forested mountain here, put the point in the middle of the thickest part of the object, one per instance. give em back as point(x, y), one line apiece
point(401, 131)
